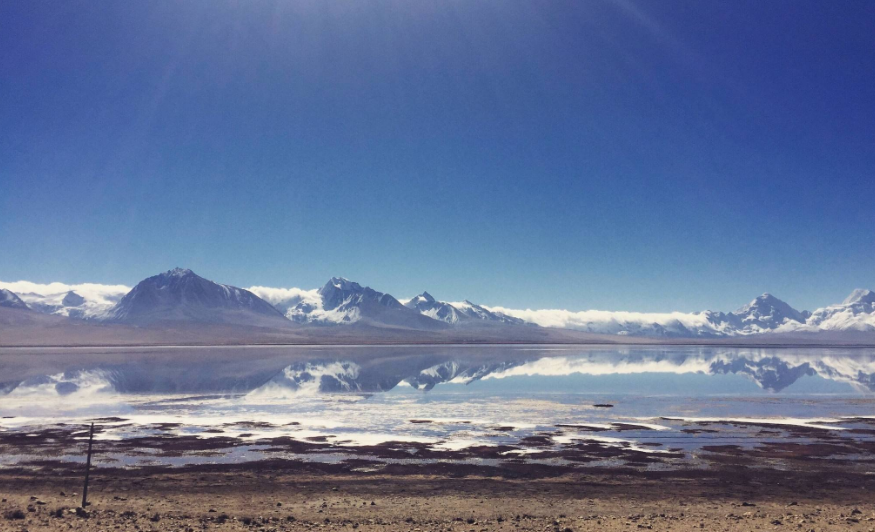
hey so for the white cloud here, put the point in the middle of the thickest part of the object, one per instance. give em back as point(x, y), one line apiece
point(616, 322)
point(285, 298)
point(98, 293)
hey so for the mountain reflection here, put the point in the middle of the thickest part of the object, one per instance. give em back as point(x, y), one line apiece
point(279, 373)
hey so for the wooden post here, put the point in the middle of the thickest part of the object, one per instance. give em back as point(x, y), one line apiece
point(87, 468)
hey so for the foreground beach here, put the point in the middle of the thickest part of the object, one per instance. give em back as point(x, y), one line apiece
point(283, 495)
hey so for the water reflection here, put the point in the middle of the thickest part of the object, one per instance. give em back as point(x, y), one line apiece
point(490, 403)
point(294, 371)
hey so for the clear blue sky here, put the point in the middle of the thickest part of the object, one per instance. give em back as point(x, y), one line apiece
point(612, 154)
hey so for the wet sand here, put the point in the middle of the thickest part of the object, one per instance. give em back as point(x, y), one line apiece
point(285, 495)
point(813, 480)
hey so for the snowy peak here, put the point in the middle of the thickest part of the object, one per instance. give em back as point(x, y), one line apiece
point(343, 301)
point(427, 305)
point(479, 312)
point(178, 272)
point(860, 296)
point(421, 302)
point(9, 299)
point(766, 305)
point(342, 283)
point(766, 312)
point(175, 275)
point(425, 297)
point(458, 313)
point(181, 295)
point(72, 299)
point(855, 313)
point(339, 292)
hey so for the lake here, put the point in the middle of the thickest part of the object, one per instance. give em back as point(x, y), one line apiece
point(647, 407)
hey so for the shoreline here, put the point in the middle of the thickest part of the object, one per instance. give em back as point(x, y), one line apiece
point(22, 347)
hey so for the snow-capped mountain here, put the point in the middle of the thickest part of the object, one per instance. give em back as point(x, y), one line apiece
point(83, 301)
point(181, 295)
point(342, 301)
point(855, 313)
point(457, 313)
point(766, 313)
point(11, 300)
point(478, 312)
point(426, 305)
point(68, 304)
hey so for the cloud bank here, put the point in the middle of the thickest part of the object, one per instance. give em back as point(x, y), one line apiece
point(290, 301)
point(52, 298)
point(619, 322)
point(98, 293)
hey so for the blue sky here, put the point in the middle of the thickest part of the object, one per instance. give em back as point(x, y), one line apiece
point(611, 154)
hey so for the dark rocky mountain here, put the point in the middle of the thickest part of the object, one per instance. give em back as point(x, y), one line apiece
point(9, 299)
point(181, 295)
point(72, 299)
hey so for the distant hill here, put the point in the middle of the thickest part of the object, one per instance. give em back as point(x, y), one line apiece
point(180, 295)
point(11, 300)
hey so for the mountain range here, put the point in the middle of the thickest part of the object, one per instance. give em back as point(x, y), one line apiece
point(342, 301)
point(464, 313)
point(179, 298)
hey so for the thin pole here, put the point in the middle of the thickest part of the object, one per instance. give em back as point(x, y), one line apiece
point(87, 468)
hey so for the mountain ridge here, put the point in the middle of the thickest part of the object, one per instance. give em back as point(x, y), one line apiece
point(463, 313)
point(180, 295)
point(342, 301)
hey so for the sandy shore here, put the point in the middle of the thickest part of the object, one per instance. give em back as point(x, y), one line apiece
point(284, 495)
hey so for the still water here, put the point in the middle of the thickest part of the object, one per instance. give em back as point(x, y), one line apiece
point(236, 404)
